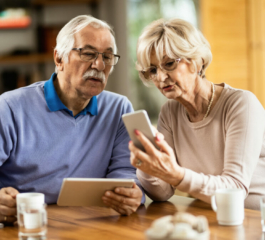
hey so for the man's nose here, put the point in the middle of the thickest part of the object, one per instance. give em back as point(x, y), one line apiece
point(98, 63)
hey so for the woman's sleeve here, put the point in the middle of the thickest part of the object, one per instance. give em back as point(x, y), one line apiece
point(155, 188)
point(244, 129)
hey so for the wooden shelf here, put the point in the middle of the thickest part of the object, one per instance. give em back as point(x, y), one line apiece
point(27, 59)
point(37, 58)
point(59, 2)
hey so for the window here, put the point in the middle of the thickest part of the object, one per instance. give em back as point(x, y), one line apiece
point(140, 14)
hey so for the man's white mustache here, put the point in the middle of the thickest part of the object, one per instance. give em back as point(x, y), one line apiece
point(94, 74)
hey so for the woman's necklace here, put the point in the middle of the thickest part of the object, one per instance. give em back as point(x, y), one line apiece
point(210, 103)
point(209, 106)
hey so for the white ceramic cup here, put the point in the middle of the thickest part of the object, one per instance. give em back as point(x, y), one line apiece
point(30, 198)
point(229, 206)
point(262, 211)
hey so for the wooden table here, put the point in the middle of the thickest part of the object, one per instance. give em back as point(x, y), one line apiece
point(105, 224)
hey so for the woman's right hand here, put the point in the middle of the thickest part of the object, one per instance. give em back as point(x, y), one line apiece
point(158, 163)
point(8, 206)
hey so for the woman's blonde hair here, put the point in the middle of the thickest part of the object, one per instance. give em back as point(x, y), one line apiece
point(175, 38)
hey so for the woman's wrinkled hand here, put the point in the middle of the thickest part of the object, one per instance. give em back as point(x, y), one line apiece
point(158, 163)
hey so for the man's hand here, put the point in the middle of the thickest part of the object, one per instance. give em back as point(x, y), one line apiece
point(8, 206)
point(124, 200)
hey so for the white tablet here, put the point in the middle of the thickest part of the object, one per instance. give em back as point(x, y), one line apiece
point(88, 191)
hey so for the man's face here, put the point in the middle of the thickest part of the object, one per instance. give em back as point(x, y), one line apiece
point(88, 79)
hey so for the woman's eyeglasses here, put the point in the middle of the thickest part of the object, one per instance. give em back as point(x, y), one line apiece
point(168, 66)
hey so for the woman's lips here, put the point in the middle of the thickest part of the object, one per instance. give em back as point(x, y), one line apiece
point(168, 88)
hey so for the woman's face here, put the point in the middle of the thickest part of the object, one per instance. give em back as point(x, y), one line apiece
point(177, 83)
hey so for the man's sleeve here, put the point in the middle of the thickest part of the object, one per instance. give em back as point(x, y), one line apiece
point(7, 131)
point(120, 166)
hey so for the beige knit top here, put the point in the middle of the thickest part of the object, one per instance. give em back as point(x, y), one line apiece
point(225, 150)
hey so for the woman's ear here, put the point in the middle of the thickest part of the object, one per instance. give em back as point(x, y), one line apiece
point(200, 67)
point(200, 72)
point(58, 61)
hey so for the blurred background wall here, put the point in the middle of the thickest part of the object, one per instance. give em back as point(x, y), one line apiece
point(235, 30)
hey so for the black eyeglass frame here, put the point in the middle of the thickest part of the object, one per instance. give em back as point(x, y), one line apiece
point(80, 49)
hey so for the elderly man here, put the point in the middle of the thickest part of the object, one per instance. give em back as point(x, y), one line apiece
point(67, 126)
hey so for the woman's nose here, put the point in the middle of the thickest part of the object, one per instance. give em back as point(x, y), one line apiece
point(162, 75)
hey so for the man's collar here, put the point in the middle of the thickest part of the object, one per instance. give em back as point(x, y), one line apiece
point(54, 103)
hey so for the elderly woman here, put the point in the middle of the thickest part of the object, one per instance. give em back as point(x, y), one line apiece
point(212, 134)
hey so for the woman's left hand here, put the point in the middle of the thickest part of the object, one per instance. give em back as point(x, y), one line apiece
point(161, 164)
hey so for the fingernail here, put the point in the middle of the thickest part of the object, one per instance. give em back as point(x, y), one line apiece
point(136, 132)
point(117, 190)
point(158, 138)
point(107, 194)
point(130, 142)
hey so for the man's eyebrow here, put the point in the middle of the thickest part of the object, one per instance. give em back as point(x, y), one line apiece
point(110, 49)
point(89, 46)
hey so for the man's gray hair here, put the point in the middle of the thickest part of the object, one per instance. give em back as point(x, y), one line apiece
point(65, 39)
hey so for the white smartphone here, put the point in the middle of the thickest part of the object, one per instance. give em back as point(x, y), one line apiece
point(139, 120)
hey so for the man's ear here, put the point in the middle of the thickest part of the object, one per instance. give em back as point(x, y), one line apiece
point(58, 61)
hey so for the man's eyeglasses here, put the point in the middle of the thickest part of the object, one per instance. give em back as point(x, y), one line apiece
point(89, 55)
point(168, 66)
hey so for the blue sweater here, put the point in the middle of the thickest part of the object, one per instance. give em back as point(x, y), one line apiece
point(40, 147)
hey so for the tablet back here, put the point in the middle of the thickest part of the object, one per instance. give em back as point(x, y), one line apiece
point(88, 191)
